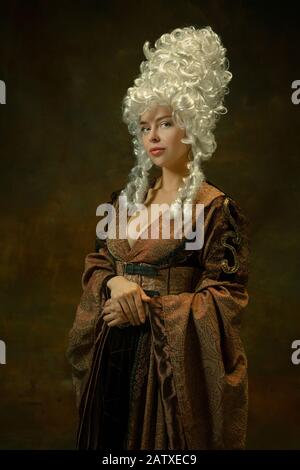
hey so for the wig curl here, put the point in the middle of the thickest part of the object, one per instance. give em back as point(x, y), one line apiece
point(186, 70)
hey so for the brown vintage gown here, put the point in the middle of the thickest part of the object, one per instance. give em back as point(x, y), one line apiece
point(178, 381)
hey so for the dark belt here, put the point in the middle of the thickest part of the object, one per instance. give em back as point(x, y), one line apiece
point(140, 268)
point(151, 293)
point(144, 270)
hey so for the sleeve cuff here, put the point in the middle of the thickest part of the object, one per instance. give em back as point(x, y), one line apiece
point(106, 289)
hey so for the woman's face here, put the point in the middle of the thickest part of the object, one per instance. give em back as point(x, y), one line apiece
point(158, 129)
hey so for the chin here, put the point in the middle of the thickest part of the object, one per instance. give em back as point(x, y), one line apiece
point(158, 163)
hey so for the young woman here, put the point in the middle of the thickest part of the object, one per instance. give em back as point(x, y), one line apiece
point(155, 348)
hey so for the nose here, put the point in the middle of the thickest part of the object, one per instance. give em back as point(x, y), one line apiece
point(153, 135)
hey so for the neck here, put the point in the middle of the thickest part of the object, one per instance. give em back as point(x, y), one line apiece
point(172, 179)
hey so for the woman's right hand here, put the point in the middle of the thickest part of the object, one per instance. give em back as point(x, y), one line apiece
point(130, 296)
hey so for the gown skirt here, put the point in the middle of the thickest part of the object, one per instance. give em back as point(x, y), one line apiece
point(105, 421)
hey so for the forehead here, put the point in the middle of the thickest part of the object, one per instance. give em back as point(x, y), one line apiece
point(155, 112)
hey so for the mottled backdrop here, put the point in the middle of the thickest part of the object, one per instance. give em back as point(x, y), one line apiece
point(64, 149)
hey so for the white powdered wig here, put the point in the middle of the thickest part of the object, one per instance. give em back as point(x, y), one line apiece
point(186, 70)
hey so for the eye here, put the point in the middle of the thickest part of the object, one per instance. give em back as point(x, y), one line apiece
point(166, 124)
point(144, 129)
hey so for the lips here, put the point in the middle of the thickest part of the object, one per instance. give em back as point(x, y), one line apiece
point(156, 151)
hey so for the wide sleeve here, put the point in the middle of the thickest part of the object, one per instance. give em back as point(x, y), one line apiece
point(99, 267)
point(198, 335)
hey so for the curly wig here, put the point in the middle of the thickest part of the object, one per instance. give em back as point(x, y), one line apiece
point(186, 70)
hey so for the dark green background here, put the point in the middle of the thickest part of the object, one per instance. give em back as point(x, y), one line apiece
point(64, 149)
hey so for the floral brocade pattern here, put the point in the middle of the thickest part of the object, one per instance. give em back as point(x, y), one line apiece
point(188, 388)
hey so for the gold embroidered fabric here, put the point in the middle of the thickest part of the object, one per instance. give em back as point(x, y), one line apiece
point(188, 387)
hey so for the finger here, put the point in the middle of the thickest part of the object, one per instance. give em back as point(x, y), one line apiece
point(112, 307)
point(145, 297)
point(140, 307)
point(135, 302)
point(133, 307)
point(117, 319)
point(125, 311)
point(114, 323)
point(143, 294)
point(130, 306)
point(107, 310)
point(128, 311)
point(109, 317)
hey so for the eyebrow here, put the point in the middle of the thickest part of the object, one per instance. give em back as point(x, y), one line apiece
point(158, 119)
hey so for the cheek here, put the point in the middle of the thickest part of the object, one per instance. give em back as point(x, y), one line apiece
point(175, 138)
